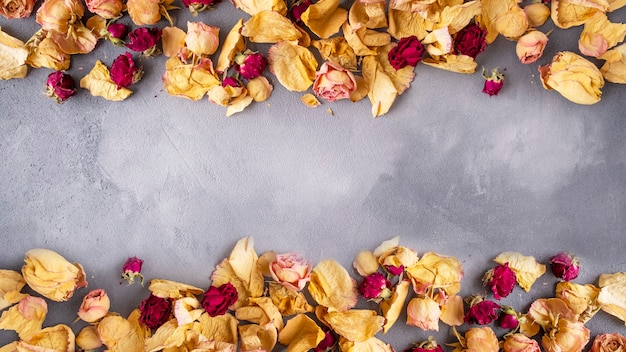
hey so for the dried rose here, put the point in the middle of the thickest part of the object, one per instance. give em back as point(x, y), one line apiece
point(470, 40)
point(59, 15)
point(60, 86)
point(291, 270)
point(564, 266)
point(493, 83)
point(482, 312)
point(327, 344)
point(155, 311)
point(51, 275)
point(501, 280)
point(250, 65)
point(217, 300)
point(424, 313)
point(196, 6)
point(231, 82)
point(529, 47)
point(333, 82)
point(132, 270)
point(298, 9)
point(520, 343)
point(107, 9)
point(375, 286)
point(508, 318)
point(144, 40)
point(427, 346)
point(16, 8)
point(609, 343)
point(124, 71)
point(537, 14)
point(95, 306)
point(567, 335)
point(408, 52)
point(116, 33)
point(202, 39)
point(574, 77)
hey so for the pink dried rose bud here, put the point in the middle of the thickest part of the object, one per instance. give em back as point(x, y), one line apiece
point(529, 47)
point(519, 343)
point(508, 318)
point(394, 270)
point(482, 312)
point(16, 8)
point(116, 32)
point(217, 300)
point(95, 306)
point(155, 311)
point(609, 343)
point(124, 72)
point(298, 9)
point(501, 280)
point(424, 313)
point(132, 270)
point(334, 82)
point(231, 82)
point(144, 40)
point(375, 286)
point(250, 65)
point(60, 86)
point(470, 40)
point(408, 52)
point(290, 270)
point(494, 82)
point(564, 266)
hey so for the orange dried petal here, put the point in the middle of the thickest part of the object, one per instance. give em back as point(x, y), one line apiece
point(436, 271)
point(221, 328)
point(58, 338)
point(172, 39)
point(256, 337)
point(252, 7)
point(599, 35)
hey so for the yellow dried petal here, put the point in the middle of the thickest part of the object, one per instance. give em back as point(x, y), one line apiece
point(574, 77)
point(362, 88)
point(167, 335)
point(88, 338)
point(455, 63)
point(365, 263)
point(354, 38)
point(256, 337)
point(387, 246)
point(269, 27)
point(492, 10)
point(537, 14)
point(355, 324)
point(172, 39)
point(221, 328)
point(259, 89)
point(581, 299)
point(252, 7)
point(188, 81)
point(382, 92)
point(233, 44)
point(513, 23)
point(405, 24)
point(244, 262)
point(370, 345)
point(51, 275)
point(452, 311)
point(436, 271)
point(26, 317)
point(336, 50)
point(261, 311)
point(392, 307)
point(294, 66)
point(614, 69)
point(526, 268)
point(331, 286)
point(119, 334)
point(310, 100)
point(13, 57)
point(458, 16)
point(44, 52)
point(172, 289)
point(599, 35)
point(301, 333)
point(324, 18)
point(224, 273)
point(238, 104)
point(11, 283)
point(98, 82)
point(368, 14)
point(288, 302)
point(439, 42)
point(616, 4)
point(612, 296)
point(58, 338)
point(569, 13)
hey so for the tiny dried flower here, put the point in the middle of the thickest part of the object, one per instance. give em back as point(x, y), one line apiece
point(501, 280)
point(493, 83)
point(231, 82)
point(509, 318)
point(16, 8)
point(116, 33)
point(95, 306)
point(334, 82)
point(327, 343)
point(217, 300)
point(60, 86)
point(609, 343)
point(202, 39)
point(482, 311)
point(124, 71)
point(529, 47)
point(144, 40)
point(408, 52)
point(564, 266)
point(470, 40)
point(132, 270)
point(290, 270)
point(429, 345)
point(155, 311)
point(375, 287)
point(250, 65)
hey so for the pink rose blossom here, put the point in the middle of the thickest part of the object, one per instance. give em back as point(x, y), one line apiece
point(290, 270)
point(60, 86)
point(95, 306)
point(520, 343)
point(107, 9)
point(375, 286)
point(217, 300)
point(470, 40)
point(529, 47)
point(483, 312)
point(501, 280)
point(132, 269)
point(508, 318)
point(424, 313)
point(116, 33)
point(609, 343)
point(124, 71)
point(408, 52)
point(231, 82)
point(334, 82)
point(202, 39)
point(16, 8)
point(564, 266)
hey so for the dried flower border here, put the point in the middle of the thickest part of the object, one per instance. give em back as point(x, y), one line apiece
point(255, 303)
point(360, 58)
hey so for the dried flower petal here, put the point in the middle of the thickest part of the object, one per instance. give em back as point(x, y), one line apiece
point(269, 27)
point(310, 100)
point(569, 13)
point(614, 69)
point(548, 311)
point(13, 57)
point(55, 338)
point(222, 328)
point(256, 337)
point(331, 286)
point(44, 52)
point(324, 18)
point(372, 344)
point(98, 82)
point(436, 271)
point(581, 299)
point(188, 80)
point(294, 66)
point(537, 14)
point(424, 313)
point(392, 307)
point(25, 318)
point(599, 35)
point(526, 268)
point(51, 275)
point(301, 333)
point(88, 338)
point(574, 77)
point(355, 325)
point(612, 296)
point(11, 283)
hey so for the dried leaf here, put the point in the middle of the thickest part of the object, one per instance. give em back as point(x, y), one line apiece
point(294, 66)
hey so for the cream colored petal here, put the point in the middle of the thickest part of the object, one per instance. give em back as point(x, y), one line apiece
point(331, 286)
point(13, 57)
point(252, 7)
point(244, 262)
point(51, 275)
point(405, 24)
point(614, 69)
point(221, 328)
point(58, 338)
point(25, 318)
point(382, 92)
point(569, 13)
point(370, 345)
point(294, 66)
point(527, 269)
point(172, 289)
point(269, 27)
point(612, 297)
point(365, 263)
point(120, 335)
point(256, 337)
point(436, 271)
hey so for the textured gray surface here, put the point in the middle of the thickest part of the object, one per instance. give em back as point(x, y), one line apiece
point(176, 183)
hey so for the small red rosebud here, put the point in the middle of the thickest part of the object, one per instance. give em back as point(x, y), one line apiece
point(427, 346)
point(564, 266)
point(501, 280)
point(508, 319)
point(60, 86)
point(482, 312)
point(408, 52)
point(251, 65)
point(155, 311)
point(375, 286)
point(470, 40)
point(298, 9)
point(132, 269)
point(124, 71)
point(117, 30)
point(395, 270)
point(493, 83)
point(144, 40)
point(196, 6)
point(218, 299)
point(231, 82)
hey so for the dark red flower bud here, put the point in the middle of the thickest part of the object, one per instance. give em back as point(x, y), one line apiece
point(501, 280)
point(217, 300)
point(143, 39)
point(470, 40)
point(375, 286)
point(483, 312)
point(252, 65)
point(298, 9)
point(155, 311)
point(60, 86)
point(124, 71)
point(117, 30)
point(564, 266)
point(408, 51)
point(493, 82)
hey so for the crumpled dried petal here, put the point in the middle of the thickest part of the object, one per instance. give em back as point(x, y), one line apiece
point(172, 39)
point(13, 57)
point(261, 310)
point(11, 283)
point(612, 296)
point(98, 82)
point(244, 262)
point(222, 328)
point(436, 271)
point(581, 299)
point(331, 286)
point(120, 335)
point(368, 14)
point(167, 335)
point(355, 324)
point(44, 52)
point(452, 311)
point(252, 7)
point(370, 345)
point(614, 69)
point(537, 14)
point(147, 12)
point(81, 40)
point(288, 302)
point(337, 50)
point(599, 35)
point(570, 13)
point(88, 338)
point(455, 63)
point(548, 311)
point(188, 80)
point(26, 317)
point(58, 338)
point(405, 24)
point(233, 44)
point(527, 269)
point(324, 18)
point(310, 100)
point(259, 89)
point(172, 289)
point(574, 77)
point(293, 65)
point(51, 275)
point(392, 308)
point(256, 337)
point(366, 263)
point(513, 23)
point(301, 333)
point(269, 27)
point(456, 17)
point(495, 17)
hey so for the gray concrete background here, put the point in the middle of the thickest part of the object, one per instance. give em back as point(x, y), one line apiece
point(177, 183)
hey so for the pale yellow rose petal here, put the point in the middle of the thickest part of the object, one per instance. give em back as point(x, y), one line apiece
point(599, 34)
point(288, 302)
point(405, 24)
point(294, 66)
point(452, 311)
point(324, 18)
point(221, 328)
point(172, 39)
point(331, 286)
point(233, 44)
point(455, 63)
point(13, 57)
point(256, 337)
point(44, 52)
point(337, 50)
point(188, 81)
point(370, 345)
point(614, 69)
point(238, 104)
point(612, 296)
point(244, 262)
point(301, 333)
point(574, 77)
point(537, 14)
point(569, 13)
point(355, 325)
point(88, 338)
point(119, 334)
point(58, 338)
point(98, 82)
point(368, 14)
point(51, 275)
point(25, 318)
point(436, 271)
point(172, 289)
point(269, 27)
point(170, 334)
point(581, 299)
point(456, 17)
point(252, 7)
point(260, 89)
point(261, 310)
point(365, 263)
point(382, 92)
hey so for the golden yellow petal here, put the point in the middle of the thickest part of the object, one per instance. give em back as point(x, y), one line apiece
point(337, 50)
point(261, 311)
point(362, 88)
point(119, 335)
point(405, 24)
point(188, 81)
point(167, 335)
point(436, 271)
point(392, 307)
point(574, 77)
point(537, 14)
point(172, 289)
point(269, 27)
point(616, 4)
point(88, 338)
point(51, 275)
point(458, 16)
point(512, 24)
point(324, 18)
point(98, 82)
point(581, 299)
point(382, 92)
point(13, 57)
point(11, 283)
point(221, 328)
point(144, 12)
point(260, 89)
point(370, 345)
point(294, 66)
point(612, 297)
point(569, 13)
point(599, 25)
point(527, 269)
point(300, 334)
point(331, 286)
point(172, 39)
point(252, 7)
point(455, 63)
point(368, 14)
point(97, 24)
point(46, 53)
point(355, 41)
point(365, 263)
point(26, 317)
point(58, 338)
point(614, 69)
point(492, 10)
point(288, 302)
point(238, 104)
point(233, 44)
point(355, 325)
point(244, 262)
point(255, 337)
point(310, 100)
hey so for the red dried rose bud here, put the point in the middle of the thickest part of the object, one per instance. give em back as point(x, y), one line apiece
point(501, 280)
point(116, 33)
point(494, 82)
point(155, 311)
point(508, 318)
point(408, 52)
point(196, 6)
point(482, 312)
point(429, 345)
point(564, 266)
point(470, 40)
point(327, 343)
point(298, 9)
point(124, 71)
point(231, 82)
point(394, 270)
point(251, 65)
point(60, 86)
point(217, 300)
point(144, 40)
point(132, 270)
point(375, 286)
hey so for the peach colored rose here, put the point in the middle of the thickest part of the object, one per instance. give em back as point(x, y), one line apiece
point(481, 340)
point(51, 275)
point(333, 82)
point(144, 12)
point(544, 311)
point(105, 8)
point(291, 270)
point(59, 15)
point(530, 46)
point(202, 39)
point(424, 313)
point(16, 8)
point(567, 336)
point(520, 343)
point(609, 343)
point(95, 306)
